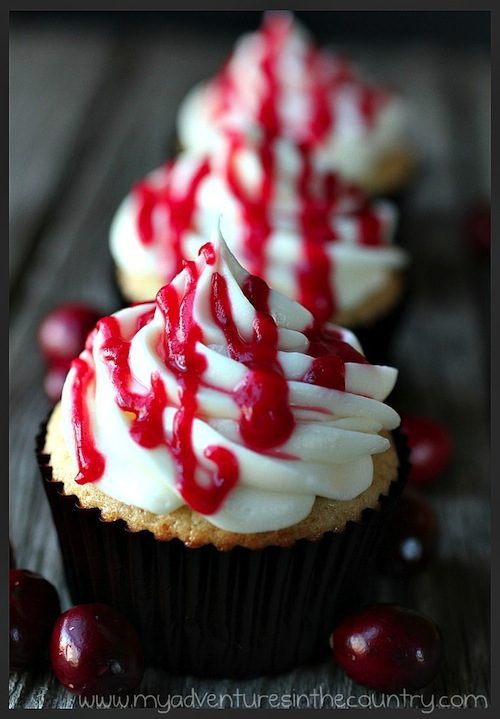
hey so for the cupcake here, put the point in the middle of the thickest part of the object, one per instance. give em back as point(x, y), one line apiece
point(277, 83)
point(306, 233)
point(221, 471)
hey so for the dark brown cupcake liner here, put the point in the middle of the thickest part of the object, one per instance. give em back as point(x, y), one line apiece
point(400, 197)
point(402, 201)
point(239, 613)
point(376, 337)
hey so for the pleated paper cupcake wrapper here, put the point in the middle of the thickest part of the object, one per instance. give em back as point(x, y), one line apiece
point(376, 337)
point(239, 613)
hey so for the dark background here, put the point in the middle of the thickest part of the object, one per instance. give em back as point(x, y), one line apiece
point(454, 27)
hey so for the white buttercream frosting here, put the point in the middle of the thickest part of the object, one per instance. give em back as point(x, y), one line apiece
point(363, 123)
point(359, 258)
point(335, 432)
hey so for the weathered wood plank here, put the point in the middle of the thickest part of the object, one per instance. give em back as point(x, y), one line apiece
point(47, 121)
point(440, 349)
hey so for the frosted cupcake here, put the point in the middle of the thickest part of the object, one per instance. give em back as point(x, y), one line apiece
point(308, 234)
point(221, 472)
point(277, 83)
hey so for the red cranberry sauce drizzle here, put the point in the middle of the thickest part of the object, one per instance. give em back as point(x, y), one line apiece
point(321, 118)
point(370, 228)
point(91, 463)
point(262, 395)
point(255, 208)
point(179, 354)
point(274, 35)
point(179, 208)
point(314, 271)
point(147, 409)
point(330, 353)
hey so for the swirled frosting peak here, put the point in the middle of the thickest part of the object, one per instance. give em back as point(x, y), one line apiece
point(277, 83)
point(220, 396)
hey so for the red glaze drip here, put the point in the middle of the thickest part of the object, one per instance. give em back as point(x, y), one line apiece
point(314, 271)
point(179, 354)
point(262, 395)
point(313, 278)
point(327, 371)
point(223, 88)
point(91, 463)
point(182, 358)
point(328, 341)
point(330, 353)
point(257, 292)
point(321, 111)
point(266, 419)
point(370, 229)
point(145, 318)
point(147, 408)
point(274, 34)
point(147, 199)
point(371, 100)
point(207, 250)
point(255, 209)
point(179, 210)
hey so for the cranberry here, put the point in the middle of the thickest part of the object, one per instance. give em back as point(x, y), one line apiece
point(388, 648)
point(62, 333)
point(34, 607)
point(54, 380)
point(95, 650)
point(430, 448)
point(411, 537)
point(478, 228)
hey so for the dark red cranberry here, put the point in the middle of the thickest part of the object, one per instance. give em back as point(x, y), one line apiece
point(478, 228)
point(34, 607)
point(411, 537)
point(430, 448)
point(95, 650)
point(62, 333)
point(388, 648)
point(53, 380)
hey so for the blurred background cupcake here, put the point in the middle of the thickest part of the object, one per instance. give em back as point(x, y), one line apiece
point(259, 457)
point(309, 234)
point(278, 83)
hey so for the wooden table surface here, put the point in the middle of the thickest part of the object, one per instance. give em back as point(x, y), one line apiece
point(91, 111)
